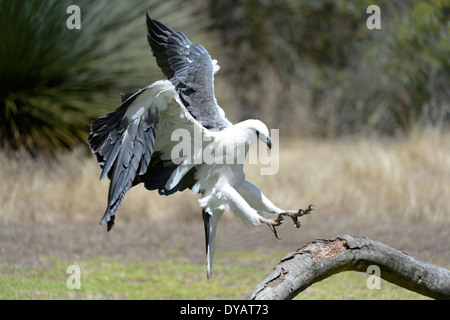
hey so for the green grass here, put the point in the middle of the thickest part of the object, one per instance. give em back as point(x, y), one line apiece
point(112, 278)
point(234, 277)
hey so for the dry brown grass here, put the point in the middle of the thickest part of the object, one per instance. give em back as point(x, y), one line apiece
point(408, 178)
point(69, 190)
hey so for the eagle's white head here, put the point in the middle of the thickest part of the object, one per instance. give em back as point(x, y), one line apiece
point(256, 130)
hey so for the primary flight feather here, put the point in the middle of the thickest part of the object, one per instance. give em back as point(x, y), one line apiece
point(135, 143)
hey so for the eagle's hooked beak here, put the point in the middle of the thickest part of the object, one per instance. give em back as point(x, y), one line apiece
point(266, 139)
point(269, 142)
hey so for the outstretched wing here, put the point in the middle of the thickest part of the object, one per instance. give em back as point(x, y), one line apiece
point(133, 143)
point(191, 70)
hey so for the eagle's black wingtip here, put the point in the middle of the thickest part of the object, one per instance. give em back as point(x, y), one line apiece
point(110, 223)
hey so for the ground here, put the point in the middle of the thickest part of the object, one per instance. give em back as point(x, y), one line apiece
point(28, 243)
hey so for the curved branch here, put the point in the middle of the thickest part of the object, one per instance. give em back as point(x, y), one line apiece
point(322, 258)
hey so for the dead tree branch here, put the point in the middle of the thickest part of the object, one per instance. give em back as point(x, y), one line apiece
point(322, 258)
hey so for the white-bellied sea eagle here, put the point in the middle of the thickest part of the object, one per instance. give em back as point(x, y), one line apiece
point(134, 143)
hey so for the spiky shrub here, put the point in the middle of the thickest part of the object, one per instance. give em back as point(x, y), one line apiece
point(55, 81)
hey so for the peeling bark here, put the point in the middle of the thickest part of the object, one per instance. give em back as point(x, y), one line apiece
point(322, 258)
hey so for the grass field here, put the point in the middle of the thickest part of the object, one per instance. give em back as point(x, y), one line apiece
point(395, 191)
point(174, 278)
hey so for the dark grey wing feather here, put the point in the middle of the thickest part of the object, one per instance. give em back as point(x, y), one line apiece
point(124, 148)
point(190, 69)
point(124, 143)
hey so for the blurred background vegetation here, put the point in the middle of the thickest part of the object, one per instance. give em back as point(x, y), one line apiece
point(309, 68)
point(305, 67)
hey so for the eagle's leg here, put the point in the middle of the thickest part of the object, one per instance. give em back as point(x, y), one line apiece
point(258, 200)
point(262, 204)
point(295, 215)
point(272, 223)
point(245, 212)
